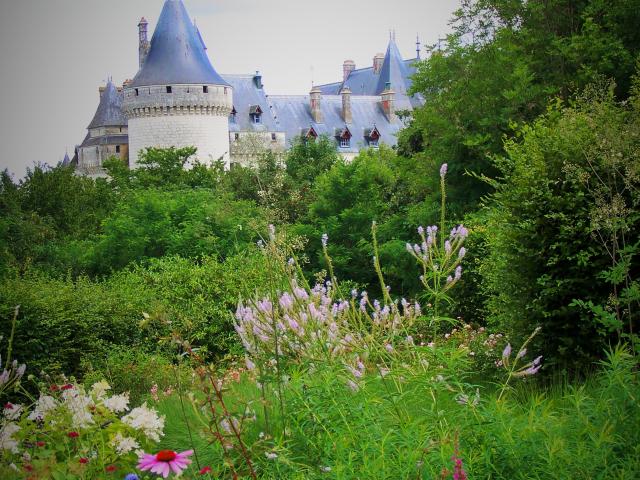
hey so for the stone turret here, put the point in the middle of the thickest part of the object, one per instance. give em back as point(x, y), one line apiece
point(177, 98)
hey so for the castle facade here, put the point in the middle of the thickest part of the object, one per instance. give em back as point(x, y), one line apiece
point(178, 99)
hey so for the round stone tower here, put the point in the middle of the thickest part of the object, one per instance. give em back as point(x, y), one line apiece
point(177, 99)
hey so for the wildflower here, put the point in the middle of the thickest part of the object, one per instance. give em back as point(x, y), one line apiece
point(421, 230)
point(458, 273)
point(6, 437)
point(117, 403)
point(272, 232)
point(154, 392)
point(12, 412)
point(44, 404)
point(353, 385)
point(202, 471)
point(521, 353)
point(271, 455)
point(83, 460)
point(250, 365)
point(443, 170)
point(68, 386)
point(447, 247)
point(132, 476)
point(99, 389)
point(389, 347)
point(73, 434)
point(145, 419)
point(164, 461)
point(124, 444)
point(325, 239)
point(462, 253)
point(506, 353)
point(537, 361)
point(111, 468)
point(325, 469)
point(40, 444)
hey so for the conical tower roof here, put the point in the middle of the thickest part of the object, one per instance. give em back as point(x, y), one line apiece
point(177, 54)
point(109, 112)
point(393, 71)
point(66, 160)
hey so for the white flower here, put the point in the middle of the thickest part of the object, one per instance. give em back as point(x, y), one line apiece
point(78, 404)
point(44, 404)
point(117, 403)
point(123, 444)
point(271, 455)
point(99, 389)
point(6, 434)
point(146, 419)
point(12, 413)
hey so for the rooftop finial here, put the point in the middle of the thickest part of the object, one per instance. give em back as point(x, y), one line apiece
point(418, 46)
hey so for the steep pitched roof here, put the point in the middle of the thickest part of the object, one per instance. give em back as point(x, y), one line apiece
point(177, 54)
point(394, 71)
point(109, 112)
point(247, 96)
point(293, 112)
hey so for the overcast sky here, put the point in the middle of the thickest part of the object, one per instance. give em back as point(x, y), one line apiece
point(55, 54)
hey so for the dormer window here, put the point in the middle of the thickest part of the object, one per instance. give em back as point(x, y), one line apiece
point(232, 115)
point(372, 136)
point(343, 135)
point(255, 112)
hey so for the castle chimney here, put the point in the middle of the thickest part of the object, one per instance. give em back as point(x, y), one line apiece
point(257, 79)
point(316, 99)
point(143, 42)
point(378, 61)
point(347, 67)
point(388, 97)
point(346, 105)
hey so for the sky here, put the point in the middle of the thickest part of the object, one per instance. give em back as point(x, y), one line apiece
point(54, 54)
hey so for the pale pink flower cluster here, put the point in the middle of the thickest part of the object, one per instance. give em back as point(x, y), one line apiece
point(310, 323)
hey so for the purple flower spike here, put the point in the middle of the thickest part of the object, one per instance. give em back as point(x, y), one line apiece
point(506, 353)
point(443, 170)
point(325, 239)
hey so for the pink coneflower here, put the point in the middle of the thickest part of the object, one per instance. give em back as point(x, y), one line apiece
point(164, 461)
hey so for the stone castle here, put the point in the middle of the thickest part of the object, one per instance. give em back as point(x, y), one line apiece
point(178, 99)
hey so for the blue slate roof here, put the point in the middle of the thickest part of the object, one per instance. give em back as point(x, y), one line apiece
point(293, 116)
point(246, 95)
point(115, 139)
point(66, 160)
point(177, 54)
point(395, 70)
point(109, 112)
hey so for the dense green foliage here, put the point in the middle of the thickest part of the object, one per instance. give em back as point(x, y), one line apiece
point(533, 111)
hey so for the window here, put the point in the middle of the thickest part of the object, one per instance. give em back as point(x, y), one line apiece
point(232, 115)
point(205, 89)
point(168, 89)
point(257, 118)
point(236, 136)
point(373, 142)
point(345, 142)
point(273, 137)
point(137, 92)
point(117, 148)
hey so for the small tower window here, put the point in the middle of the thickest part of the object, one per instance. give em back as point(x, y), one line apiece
point(273, 137)
point(232, 115)
point(137, 92)
point(345, 142)
point(236, 136)
point(168, 89)
point(205, 89)
point(117, 148)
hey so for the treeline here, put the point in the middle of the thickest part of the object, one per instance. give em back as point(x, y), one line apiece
point(535, 108)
